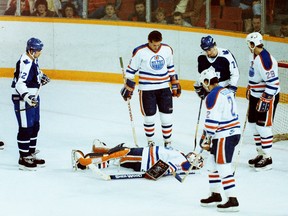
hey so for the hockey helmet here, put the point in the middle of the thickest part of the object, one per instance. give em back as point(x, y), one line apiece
point(34, 44)
point(207, 75)
point(254, 37)
point(207, 42)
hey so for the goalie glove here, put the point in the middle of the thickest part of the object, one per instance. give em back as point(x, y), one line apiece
point(201, 92)
point(127, 90)
point(30, 99)
point(175, 86)
point(264, 102)
point(205, 141)
point(44, 79)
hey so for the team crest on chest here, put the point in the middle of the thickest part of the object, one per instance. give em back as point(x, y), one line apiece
point(157, 62)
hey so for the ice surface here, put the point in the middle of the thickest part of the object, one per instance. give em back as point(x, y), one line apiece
point(73, 114)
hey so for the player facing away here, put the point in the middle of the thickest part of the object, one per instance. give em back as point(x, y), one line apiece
point(27, 81)
point(263, 95)
point(219, 59)
point(154, 62)
point(220, 136)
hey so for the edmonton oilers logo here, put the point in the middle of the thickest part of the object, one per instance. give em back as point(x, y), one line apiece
point(251, 72)
point(157, 62)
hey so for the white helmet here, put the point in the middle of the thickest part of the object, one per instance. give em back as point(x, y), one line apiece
point(207, 75)
point(254, 37)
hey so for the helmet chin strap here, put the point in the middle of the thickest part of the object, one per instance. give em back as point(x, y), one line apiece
point(32, 54)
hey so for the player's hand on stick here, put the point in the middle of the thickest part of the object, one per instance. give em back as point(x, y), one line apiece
point(199, 89)
point(205, 141)
point(127, 90)
point(264, 102)
point(175, 85)
point(30, 99)
point(45, 79)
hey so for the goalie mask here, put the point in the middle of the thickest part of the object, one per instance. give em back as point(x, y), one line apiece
point(195, 159)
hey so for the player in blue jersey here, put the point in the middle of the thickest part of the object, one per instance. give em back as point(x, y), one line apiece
point(154, 63)
point(220, 136)
point(27, 81)
point(219, 59)
point(263, 95)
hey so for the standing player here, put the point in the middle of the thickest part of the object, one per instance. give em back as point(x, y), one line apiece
point(222, 61)
point(28, 78)
point(263, 95)
point(154, 62)
point(220, 136)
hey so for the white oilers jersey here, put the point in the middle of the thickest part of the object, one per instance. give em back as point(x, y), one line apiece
point(155, 68)
point(174, 158)
point(222, 115)
point(224, 64)
point(263, 74)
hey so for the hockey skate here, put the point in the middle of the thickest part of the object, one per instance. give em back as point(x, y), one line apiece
point(231, 205)
point(39, 162)
point(1, 145)
point(168, 145)
point(264, 164)
point(151, 143)
point(214, 199)
point(255, 160)
point(75, 155)
point(27, 163)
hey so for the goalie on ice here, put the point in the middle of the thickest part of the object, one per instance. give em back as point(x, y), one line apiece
point(155, 161)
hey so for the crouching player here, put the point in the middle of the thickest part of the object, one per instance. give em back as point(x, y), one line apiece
point(140, 159)
point(220, 136)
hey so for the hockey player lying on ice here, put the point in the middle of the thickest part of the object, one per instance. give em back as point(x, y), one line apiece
point(139, 159)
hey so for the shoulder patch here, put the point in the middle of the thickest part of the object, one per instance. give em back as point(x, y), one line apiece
point(212, 97)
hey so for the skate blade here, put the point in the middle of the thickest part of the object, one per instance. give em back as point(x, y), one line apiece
point(24, 168)
point(230, 209)
point(268, 167)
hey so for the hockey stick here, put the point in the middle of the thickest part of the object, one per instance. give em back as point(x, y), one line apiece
point(36, 96)
point(177, 175)
point(241, 141)
point(197, 125)
point(129, 106)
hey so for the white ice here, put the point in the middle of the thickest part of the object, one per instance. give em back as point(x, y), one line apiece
point(73, 114)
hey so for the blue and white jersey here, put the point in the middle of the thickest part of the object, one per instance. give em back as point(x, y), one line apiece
point(222, 115)
point(263, 74)
point(27, 76)
point(155, 68)
point(174, 158)
point(224, 65)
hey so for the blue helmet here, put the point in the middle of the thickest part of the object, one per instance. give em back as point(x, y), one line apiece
point(207, 42)
point(34, 44)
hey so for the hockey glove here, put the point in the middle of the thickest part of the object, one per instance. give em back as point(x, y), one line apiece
point(44, 79)
point(248, 92)
point(127, 90)
point(199, 89)
point(232, 88)
point(30, 99)
point(175, 85)
point(264, 102)
point(205, 141)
